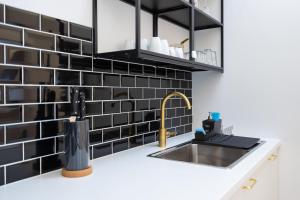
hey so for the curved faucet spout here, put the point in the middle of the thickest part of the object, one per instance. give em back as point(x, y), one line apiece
point(163, 131)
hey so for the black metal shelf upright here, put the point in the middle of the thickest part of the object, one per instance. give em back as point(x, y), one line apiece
point(179, 12)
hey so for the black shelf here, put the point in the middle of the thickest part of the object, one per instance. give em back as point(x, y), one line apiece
point(179, 12)
point(152, 58)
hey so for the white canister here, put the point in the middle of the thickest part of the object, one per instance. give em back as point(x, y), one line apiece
point(155, 45)
point(172, 51)
point(165, 47)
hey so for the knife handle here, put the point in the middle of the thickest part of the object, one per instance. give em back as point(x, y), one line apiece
point(74, 102)
point(82, 106)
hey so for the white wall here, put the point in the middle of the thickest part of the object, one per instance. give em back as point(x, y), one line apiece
point(259, 93)
point(77, 11)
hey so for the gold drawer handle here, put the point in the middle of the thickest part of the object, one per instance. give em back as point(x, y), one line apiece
point(252, 182)
point(272, 157)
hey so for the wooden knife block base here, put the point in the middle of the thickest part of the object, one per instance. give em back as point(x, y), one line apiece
point(78, 173)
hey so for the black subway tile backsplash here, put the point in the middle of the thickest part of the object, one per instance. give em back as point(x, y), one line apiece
point(11, 153)
point(53, 25)
point(68, 45)
point(38, 76)
point(10, 74)
point(39, 69)
point(21, 17)
point(11, 35)
point(22, 132)
point(25, 170)
point(38, 40)
point(79, 31)
point(22, 56)
point(55, 60)
point(1, 13)
point(10, 114)
point(21, 94)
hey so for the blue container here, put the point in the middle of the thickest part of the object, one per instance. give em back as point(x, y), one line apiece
point(216, 116)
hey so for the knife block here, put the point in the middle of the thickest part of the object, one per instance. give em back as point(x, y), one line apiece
point(77, 155)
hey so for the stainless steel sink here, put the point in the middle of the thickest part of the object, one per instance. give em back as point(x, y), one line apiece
point(217, 156)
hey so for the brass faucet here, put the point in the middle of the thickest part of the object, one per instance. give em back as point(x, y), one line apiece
point(163, 130)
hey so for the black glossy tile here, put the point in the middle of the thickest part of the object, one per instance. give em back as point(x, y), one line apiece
point(111, 134)
point(142, 82)
point(149, 93)
point(160, 93)
point(88, 93)
point(38, 112)
point(188, 93)
point(102, 150)
point(87, 48)
point(135, 117)
point(188, 128)
point(179, 74)
point(1, 94)
point(188, 111)
point(39, 40)
point(55, 94)
point(120, 93)
point(1, 168)
point(127, 106)
point(95, 137)
point(179, 112)
point(22, 56)
point(142, 128)
point(81, 63)
point(22, 170)
point(170, 113)
point(103, 121)
point(39, 148)
point(171, 73)
point(161, 72)
point(11, 153)
point(127, 131)
point(68, 45)
point(38, 76)
point(188, 76)
point(149, 138)
point(149, 115)
point(53, 25)
point(52, 128)
point(1, 54)
point(175, 84)
point(1, 135)
point(102, 93)
point(120, 67)
point(120, 119)
point(60, 144)
point(154, 125)
point(136, 69)
point(168, 123)
point(92, 79)
point(67, 77)
point(127, 81)
point(154, 104)
point(135, 93)
point(175, 102)
point(142, 105)
point(11, 35)
point(55, 60)
point(180, 130)
point(79, 31)
point(1, 13)
point(136, 141)
point(165, 83)
point(190, 119)
point(184, 84)
point(21, 17)
point(20, 94)
point(63, 110)
point(149, 71)
point(120, 145)
point(94, 108)
point(22, 132)
point(184, 120)
point(176, 121)
point(190, 84)
point(10, 74)
point(154, 82)
point(111, 80)
point(111, 107)
point(158, 114)
point(102, 65)
point(53, 162)
point(10, 114)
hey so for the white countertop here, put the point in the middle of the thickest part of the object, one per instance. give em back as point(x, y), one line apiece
point(131, 175)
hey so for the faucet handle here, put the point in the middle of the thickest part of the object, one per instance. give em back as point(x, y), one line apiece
point(171, 133)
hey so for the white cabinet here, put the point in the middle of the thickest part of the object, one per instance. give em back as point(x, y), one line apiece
point(262, 184)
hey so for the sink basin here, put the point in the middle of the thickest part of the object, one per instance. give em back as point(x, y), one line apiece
point(217, 156)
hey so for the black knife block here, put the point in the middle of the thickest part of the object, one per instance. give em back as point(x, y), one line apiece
point(77, 155)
